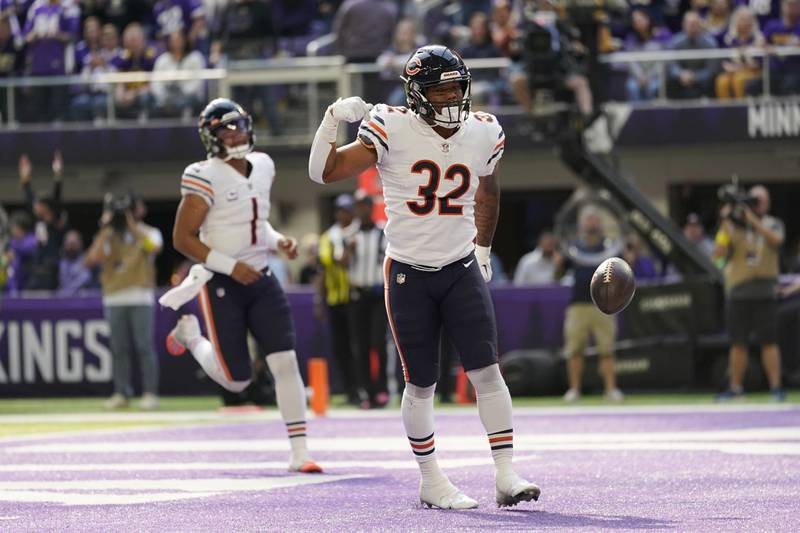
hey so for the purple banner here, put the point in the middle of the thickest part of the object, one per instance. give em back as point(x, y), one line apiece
point(706, 123)
point(59, 346)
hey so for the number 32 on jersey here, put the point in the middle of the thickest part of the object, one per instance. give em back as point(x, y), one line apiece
point(427, 192)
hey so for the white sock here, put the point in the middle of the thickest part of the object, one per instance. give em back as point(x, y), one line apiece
point(494, 409)
point(291, 395)
point(416, 408)
point(203, 352)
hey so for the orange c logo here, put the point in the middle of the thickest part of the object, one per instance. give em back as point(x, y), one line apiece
point(413, 66)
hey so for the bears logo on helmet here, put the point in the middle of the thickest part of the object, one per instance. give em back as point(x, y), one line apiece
point(413, 66)
point(434, 65)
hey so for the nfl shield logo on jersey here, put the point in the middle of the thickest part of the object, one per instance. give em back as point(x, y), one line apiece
point(401, 278)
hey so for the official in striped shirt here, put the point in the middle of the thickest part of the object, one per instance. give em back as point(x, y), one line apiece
point(366, 250)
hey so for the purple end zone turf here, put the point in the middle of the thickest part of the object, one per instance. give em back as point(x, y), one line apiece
point(690, 470)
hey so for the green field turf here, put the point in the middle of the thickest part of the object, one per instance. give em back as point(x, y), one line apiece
point(20, 426)
point(211, 403)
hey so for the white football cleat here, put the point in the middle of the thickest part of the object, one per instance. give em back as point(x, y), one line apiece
point(572, 395)
point(444, 495)
point(187, 329)
point(512, 489)
point(149, 402)
point(116, 401)
point(614, 395)
point(305, 466)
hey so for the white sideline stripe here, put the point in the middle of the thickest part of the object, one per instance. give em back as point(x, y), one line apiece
point(396, 444)
point(742, 448)
point(470, 410)
point(184, 485)
point(389, 464)
point(66, 498)
point(175, 416)
point(182, 489)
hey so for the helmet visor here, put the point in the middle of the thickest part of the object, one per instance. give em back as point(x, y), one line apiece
point(241, 124)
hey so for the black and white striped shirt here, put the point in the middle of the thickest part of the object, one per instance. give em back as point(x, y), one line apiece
point(366, 263)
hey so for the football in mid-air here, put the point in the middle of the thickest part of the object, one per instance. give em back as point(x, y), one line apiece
point(612, 286)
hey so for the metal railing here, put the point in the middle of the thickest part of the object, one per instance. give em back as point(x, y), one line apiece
point(664, 57)
point(310, 73)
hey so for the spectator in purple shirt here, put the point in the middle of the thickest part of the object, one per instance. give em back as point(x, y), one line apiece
point(73, 274)
point(49, 28)
point(21, 252)
point(642, 264)
point(9, 13)
point(90, 42)
point(135, 99)
point(92, 100)
point(293, 17)
point(717, 19)
point(181, 15)
point(109, 43)
point(785, 32)
point(764, 10)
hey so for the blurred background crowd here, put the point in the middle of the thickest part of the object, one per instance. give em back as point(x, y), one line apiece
point(91, 37)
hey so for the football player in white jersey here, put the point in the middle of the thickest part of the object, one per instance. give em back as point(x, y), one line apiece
point(222, 223)
point(438, 164)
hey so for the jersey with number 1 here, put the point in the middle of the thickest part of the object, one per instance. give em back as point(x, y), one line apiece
point(238, 206)
point(429, 182)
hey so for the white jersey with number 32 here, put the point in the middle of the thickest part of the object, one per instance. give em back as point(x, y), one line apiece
point(429, 182)
point(238, 206)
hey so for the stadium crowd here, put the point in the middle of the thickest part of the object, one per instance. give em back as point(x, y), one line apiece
point(88, 37)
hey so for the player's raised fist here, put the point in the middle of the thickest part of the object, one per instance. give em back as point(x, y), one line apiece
point(612, 286)
point(351, 109)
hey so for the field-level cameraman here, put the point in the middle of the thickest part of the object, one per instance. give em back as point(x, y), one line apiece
point(749, 240)
point(125, 248)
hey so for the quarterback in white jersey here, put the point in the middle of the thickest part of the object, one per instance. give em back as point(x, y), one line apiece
point(438, 164)
point(222, 223)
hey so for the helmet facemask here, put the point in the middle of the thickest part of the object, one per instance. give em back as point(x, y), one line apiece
point(449, 115)
point(240, 151)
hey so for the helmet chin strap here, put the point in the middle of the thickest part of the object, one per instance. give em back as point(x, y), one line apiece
point(237, 152)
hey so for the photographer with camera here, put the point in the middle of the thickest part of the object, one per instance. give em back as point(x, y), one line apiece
point(749, 242)
point(125, 248)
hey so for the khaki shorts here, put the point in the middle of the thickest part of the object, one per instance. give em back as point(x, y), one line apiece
point(584, 320)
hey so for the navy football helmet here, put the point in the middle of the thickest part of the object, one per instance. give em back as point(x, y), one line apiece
point(435, 65)
point(220, 113)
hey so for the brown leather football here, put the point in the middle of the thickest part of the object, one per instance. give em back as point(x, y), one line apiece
point(612, 286)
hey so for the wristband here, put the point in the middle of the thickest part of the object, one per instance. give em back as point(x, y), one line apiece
point(219, 262)
point(273, 237)
point(482, 253)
